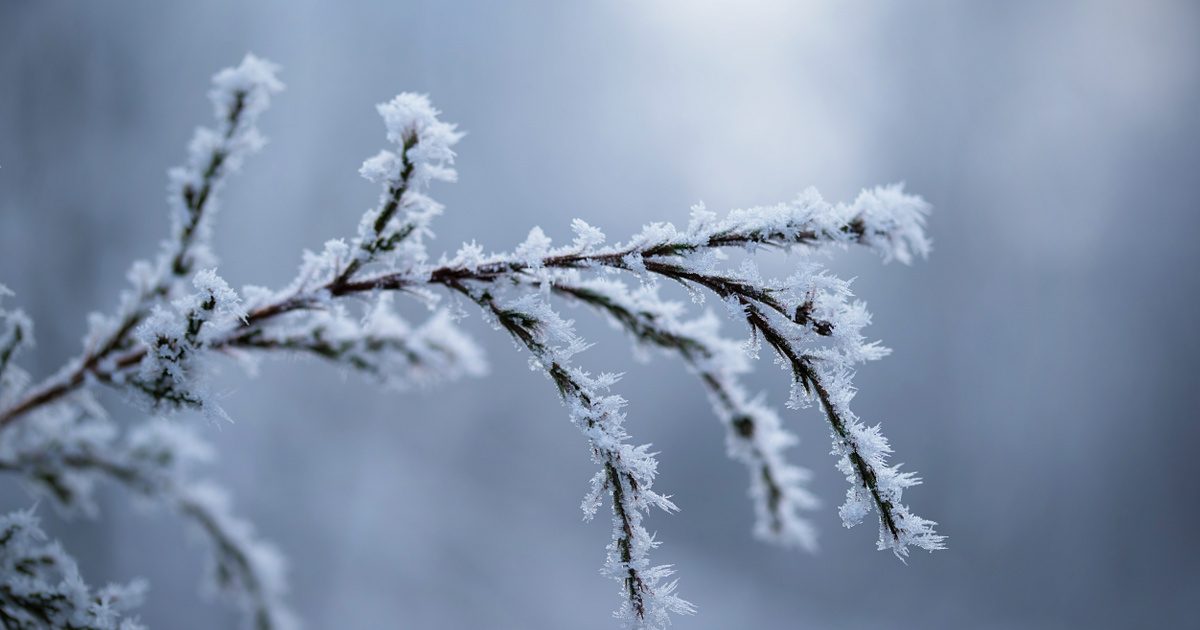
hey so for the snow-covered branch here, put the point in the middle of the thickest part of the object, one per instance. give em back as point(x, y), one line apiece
point(425, 154)
point(40, 585)
point(755, 435)
point(825, 374)
point(379, 344)
point(63, 451)
point(160, 345)
point(16, 334)
point(239, 95)
point(627, 472)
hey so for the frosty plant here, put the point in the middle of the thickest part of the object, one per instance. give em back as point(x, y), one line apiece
point(178, 316)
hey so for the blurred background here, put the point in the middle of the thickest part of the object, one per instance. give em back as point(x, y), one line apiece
point(1042, 381)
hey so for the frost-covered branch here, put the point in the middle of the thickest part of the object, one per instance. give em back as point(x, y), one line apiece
point(380, 344)
point(64, 450)
point(863, 451)
point(16, 334)
point(174, 337)
point(627, 472)
point(810, 308)
point(755, 435)
point(884, 219)
point(40, 585)
point(160, 345)
point(239, 95)
point(425, 154)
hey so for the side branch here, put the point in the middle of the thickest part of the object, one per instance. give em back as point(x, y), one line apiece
point(627, 472)
point(151, 465)
point(754, 432)
point(863, 449)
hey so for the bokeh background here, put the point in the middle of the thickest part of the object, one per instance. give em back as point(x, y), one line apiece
point(1043, 380)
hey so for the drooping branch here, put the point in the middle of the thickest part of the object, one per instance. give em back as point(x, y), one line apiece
point(863, 449)
point(627, 472)
point(754, 432)
point(64, 454)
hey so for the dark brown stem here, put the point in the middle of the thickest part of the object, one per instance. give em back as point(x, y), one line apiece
point(634, 584)
point(805, 374)
point(521, 328)
point(693, 352)
point(7, 352)
point(395, 198)
point(447, 276)
point(196, 201)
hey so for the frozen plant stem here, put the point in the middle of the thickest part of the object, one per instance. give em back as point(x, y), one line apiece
point(754, 434)
point(158, 348)
point(627, 472)
point(235, 562)
point(239, 95)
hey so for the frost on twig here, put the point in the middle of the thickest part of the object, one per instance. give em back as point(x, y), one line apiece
point(239, 95)
point(823, 373)
point(807, 318)
point(40, 585)
point(161, 343)
point(63, 451)
point(755, 435)
point(626, 473)
point(393, 233)
point(379, 344)
point(167, 376)
point(16, 334)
